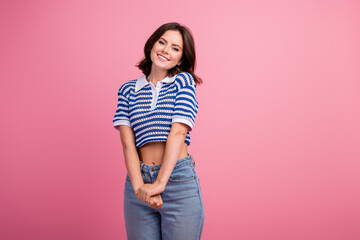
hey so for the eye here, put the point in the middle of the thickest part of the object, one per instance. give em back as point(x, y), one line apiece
point(176, 49)
point(161, 42)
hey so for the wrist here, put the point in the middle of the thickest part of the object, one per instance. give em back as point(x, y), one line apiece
point(161, 183)
point(137, 186)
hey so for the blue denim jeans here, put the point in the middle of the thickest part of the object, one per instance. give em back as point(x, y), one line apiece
point(182, 216)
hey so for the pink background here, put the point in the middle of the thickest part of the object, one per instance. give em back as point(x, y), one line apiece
point(277, 136)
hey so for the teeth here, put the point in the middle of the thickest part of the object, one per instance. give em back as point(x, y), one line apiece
point(162, 57)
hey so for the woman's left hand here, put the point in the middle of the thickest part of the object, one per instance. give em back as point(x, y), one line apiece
point(147, 190)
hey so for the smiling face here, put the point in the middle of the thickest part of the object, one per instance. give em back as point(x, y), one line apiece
point(167, 50)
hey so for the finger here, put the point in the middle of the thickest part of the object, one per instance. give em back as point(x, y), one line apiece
point(139, 194)
point(158, 206)
point(158, 202)
point(147, 197)
point(153, 202)
point(154, 205)
point(161, 203)
point(142, 197)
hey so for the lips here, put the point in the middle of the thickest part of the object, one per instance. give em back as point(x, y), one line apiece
point(163, 57)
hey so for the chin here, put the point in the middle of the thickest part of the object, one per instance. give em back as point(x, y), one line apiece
point(161, 66)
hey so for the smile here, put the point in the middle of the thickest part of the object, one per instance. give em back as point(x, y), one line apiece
point(162, 58)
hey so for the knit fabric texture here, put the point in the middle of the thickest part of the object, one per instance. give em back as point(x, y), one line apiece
point(176, 103)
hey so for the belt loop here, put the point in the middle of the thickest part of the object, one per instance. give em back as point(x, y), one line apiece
point(141, 166)
point(193, 160)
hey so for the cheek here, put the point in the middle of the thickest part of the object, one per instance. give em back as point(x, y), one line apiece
point(155, 48)
point(159, 46)
point(178, 56)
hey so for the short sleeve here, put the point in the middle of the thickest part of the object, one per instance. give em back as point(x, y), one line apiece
point(186, 105)
point(122, 116)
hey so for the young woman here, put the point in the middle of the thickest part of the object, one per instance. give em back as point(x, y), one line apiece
point(155, 114)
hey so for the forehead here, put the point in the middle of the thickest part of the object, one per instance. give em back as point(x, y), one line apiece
point(173, 37)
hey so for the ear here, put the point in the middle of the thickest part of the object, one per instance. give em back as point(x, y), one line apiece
point(179, 63)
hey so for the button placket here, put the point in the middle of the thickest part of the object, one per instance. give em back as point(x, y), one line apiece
point(152, 173)
point(155, 94)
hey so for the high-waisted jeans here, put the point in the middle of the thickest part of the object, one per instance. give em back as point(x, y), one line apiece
point(182, 216)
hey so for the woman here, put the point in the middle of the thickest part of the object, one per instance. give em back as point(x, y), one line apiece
point(155, 113)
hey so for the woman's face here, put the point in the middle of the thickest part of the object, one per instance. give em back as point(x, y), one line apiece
point(167, 50)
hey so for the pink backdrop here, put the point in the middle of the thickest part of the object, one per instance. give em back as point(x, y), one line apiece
point(277, 136)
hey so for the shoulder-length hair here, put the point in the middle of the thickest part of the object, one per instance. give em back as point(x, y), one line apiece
point(188, 60)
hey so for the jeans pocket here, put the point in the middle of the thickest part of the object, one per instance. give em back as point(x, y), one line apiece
point(182, 174)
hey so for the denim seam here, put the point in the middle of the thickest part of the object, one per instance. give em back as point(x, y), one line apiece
point(185, 163)
point(201, 204)
point(182, 181)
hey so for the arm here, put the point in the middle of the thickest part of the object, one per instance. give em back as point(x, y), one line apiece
point(174, 145)
point(132, 163)
point(131, 156)
point(122, 123)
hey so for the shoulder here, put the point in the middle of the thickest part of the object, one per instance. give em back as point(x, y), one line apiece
point(184, 79)
point(127, 86)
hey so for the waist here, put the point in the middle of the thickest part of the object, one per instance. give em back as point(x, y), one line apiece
point(152, 153)
point(155, 168)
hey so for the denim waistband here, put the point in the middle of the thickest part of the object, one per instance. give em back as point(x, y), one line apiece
point(152, 168)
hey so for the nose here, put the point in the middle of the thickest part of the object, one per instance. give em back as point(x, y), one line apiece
point(165, 49)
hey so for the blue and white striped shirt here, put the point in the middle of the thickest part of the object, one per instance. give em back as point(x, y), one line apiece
point(151, 110)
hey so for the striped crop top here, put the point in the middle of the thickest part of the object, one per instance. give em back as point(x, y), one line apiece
point(151, 110)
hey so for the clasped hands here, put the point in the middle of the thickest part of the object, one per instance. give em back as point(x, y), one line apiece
point(150, 193)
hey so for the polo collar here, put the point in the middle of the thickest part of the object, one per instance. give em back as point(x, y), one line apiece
point(142, 82)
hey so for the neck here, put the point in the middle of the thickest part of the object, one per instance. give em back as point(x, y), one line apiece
point(156, 75)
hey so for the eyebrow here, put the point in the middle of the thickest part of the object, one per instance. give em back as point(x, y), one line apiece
point(167, 41)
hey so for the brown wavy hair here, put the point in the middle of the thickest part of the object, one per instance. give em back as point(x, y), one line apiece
point(188, 60)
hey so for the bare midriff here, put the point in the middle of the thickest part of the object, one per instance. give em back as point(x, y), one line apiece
point(152, 153)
